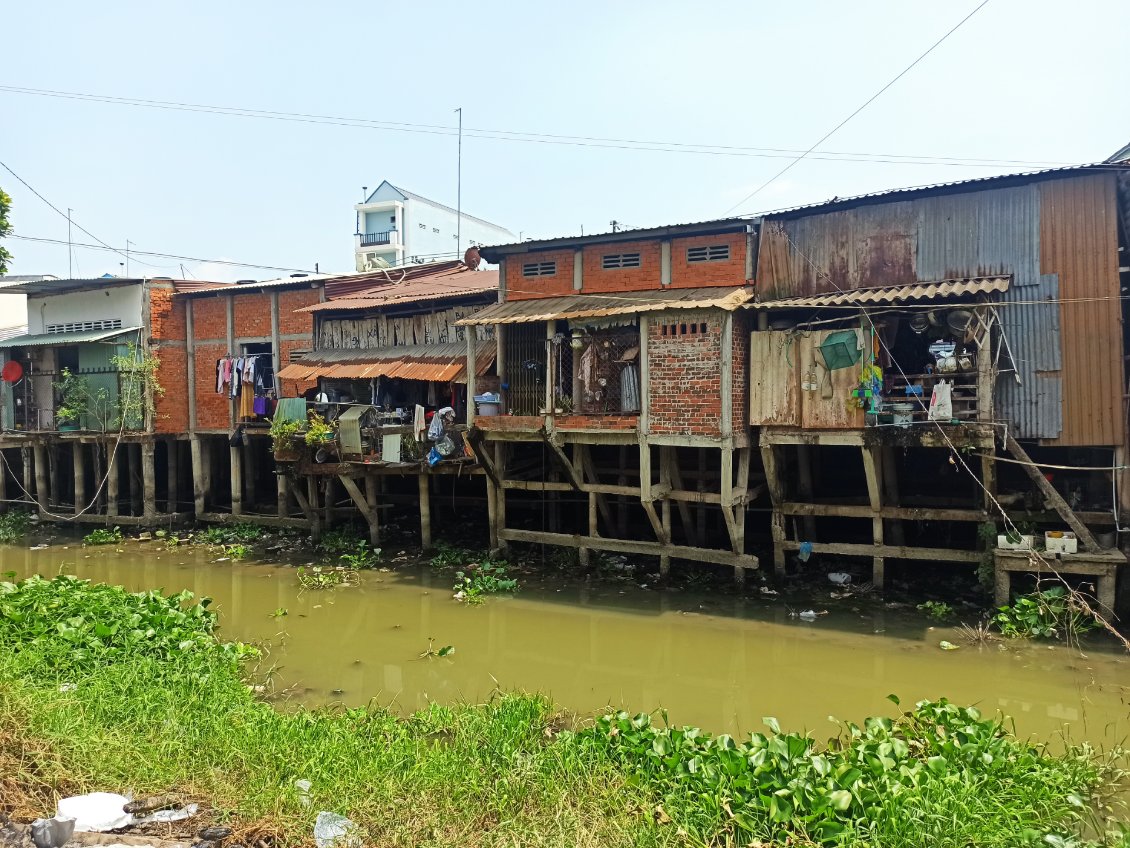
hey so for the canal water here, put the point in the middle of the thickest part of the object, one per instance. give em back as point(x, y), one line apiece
point(712, 660)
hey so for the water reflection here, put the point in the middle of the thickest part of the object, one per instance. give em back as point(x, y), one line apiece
point(719, 662)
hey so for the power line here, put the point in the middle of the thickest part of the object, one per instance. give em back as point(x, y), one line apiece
point(177, 256)
point(537, 138)
point(866, 103)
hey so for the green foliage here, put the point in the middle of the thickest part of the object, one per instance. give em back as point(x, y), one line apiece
point(483, 578)
point(5, 229)
point(937, 610)
point(1051, 613)
point(72, 625)
point(139, 388)
point(282, 433)
point(237, 551)
point(83, 404)
point(103, 536)
point(780, 786)
point(241, 533)
point(318, 431)
point(13, 525)
point(362, 556)
point(338, 540)
point(450, 556)
point(325, 576)
point(445, 651)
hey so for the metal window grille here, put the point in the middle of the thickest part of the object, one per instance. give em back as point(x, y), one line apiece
point(709, 253)
point(611, 261)
point(81, 326)
point(539, 269)
point(596, 372)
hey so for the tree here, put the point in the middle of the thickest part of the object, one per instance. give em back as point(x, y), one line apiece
point(5, 228)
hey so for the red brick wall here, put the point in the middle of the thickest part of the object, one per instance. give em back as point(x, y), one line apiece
point(740, 385)
point(291, 322)
point(209, 317)
point(251, 314)
point(294, 388)
point(685, 394)
point(167, 324)
point(212, 409)
point(519, 287)
point(647, 276)
point(691, 275)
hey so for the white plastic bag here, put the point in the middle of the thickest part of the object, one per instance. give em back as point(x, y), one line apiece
point(941, 404)
point(98, 811)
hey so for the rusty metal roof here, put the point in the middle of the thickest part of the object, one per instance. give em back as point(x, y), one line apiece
point(447, 283)
point(434, 363)
point(492, 253)
point(891, 294)
point(601, 305)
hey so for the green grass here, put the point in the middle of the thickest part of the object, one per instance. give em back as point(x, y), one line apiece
point(13, 525)
point(100, 689)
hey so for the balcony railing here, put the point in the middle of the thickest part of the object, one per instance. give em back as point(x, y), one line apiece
point(369, 239)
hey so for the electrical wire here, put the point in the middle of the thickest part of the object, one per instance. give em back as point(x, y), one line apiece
point(866, 103)
point(538, 138)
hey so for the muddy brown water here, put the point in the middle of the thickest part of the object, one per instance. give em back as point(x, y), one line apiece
point(710, 659)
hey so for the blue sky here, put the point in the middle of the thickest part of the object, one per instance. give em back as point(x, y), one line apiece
point(1027, 80)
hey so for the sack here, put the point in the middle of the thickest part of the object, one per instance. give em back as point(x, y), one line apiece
point(941, 403)
point(434, 457)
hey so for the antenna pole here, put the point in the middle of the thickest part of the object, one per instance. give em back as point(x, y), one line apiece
point(459, 191)
point(70, 249)
point(127, 258)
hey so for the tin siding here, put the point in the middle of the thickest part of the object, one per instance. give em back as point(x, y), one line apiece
point(1079, 245)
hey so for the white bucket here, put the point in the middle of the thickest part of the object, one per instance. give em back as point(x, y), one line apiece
point(902, 414)
point(489, 409)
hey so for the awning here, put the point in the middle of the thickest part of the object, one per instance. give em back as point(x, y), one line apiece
point(445, 363)
point(602, 305)
point(81, 337)
point(938, 290)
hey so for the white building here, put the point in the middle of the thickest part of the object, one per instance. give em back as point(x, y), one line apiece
point(400, 227)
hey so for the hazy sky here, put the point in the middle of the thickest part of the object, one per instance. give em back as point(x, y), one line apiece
point(1030, 80)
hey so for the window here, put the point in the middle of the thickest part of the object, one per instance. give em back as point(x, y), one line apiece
point(80, 326)
point(539, 269)
point(611, 261)
point(695, 329)
point(710, 253)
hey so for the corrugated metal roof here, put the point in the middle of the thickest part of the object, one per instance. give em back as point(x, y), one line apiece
point(437, 286)
point(11, 332)
point(436, 363)
point(891, 294)
point(598, 306)
point(46, 339)
point(493, 252)
point(1000, 180)
point(191, 287)
point(47, 285)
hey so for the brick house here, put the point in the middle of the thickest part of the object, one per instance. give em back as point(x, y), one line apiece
point(622, 358)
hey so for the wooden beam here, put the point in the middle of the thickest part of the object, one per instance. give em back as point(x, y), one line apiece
point(303, 504)
point(891, 551)
point(776, 496)
point(890, 512)
point(1086, 538)
point(566, 465)
point(627, 546)
point(656, 522)
point(873, 473)
point(359, 499)
point(482, 453)
point(670, 456)
point(588, 468)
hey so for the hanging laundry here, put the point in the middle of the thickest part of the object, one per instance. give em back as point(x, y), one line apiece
point(223, 373)
point(236, 371)
point(247, 402)
point(261, 406)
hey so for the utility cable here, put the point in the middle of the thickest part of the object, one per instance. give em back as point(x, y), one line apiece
point(866, 103)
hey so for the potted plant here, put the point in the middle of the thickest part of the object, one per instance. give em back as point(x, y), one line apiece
point(74, 392)
point(282, 439)
point(318, 431)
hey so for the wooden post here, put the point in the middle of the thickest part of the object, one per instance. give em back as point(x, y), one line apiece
point(149, 481)
point(472, 366)
point(41, 490)
point(331, 501)
point(235, 459)
point(805, 488)
point(776, 496)
point(493, 494)
point(583, 554)
point(501, 456)
point(676, 480)
point(989, 480)
point(872, 471)
point(312, 503)
point(1086, 539)
point(113, 477)
point(425, 511)
point(199, 476)
point(282, 486)
point(622, 500)
point(134, 473)
point(891, 495)
point(54, 490)
point(665, 520)
point(78, 451)
point(172, 476)
point(250, 473)
point(371, 501)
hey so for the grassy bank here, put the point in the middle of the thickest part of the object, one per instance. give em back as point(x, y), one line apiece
point(100, 689)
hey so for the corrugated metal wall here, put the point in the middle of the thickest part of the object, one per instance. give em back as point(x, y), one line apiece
point(1056, 237)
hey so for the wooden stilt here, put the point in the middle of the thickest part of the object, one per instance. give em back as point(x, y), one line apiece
point(28, 474)
point(622, 501)
point(700, 485)
point(314, 513)
point(134, 472)
point(199, 476)
point(776, 496)
point(891, 495)
point(1086, 538)
point(282, 485)
point(41, 477)
point(3, 483)
point(331, 501)
point(425, 511)
point(501, 459)
point(583, 554)
point(149, 481)
point(235, 459)
point(54, 489)
point(670, 456)
point(364, 506)
point(873, 472)
point(805, 488)
point(78, 451)
point(371, 501)
point(172, 476)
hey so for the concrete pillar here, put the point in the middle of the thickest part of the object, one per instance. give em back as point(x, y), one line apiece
point(312, 498)
point(134, 471)
point(235, 455)
point(371, 500)
point(250, 473)
point(331, 500)
point(41, 490)
point(199, 450)
point(112, 476)
point(78, 449)
point(27, 470)
point(149, 481)
point(425, 511)
point(172, 476)
point(3, 483)
point(281, 482)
